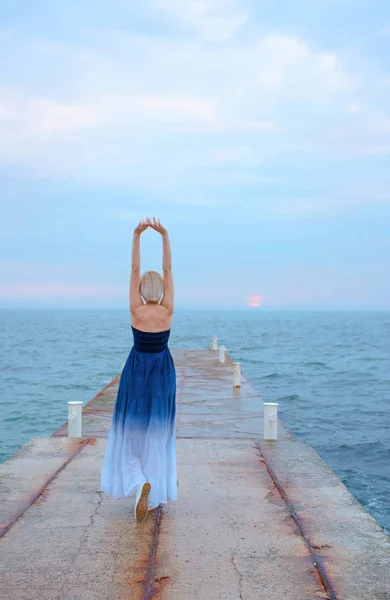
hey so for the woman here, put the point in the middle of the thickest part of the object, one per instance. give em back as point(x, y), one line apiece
point(140, 458)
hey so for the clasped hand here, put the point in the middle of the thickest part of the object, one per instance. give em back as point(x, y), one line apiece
point(153, 223)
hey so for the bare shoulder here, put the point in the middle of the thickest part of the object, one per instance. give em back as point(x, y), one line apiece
point(140, 313)
point(151, 317)
point(163, 315)
point(162, 309)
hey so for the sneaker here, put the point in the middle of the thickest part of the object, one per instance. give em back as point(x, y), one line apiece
point(141, 502)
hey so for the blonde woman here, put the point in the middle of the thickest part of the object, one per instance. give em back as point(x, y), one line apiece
point(140, 458)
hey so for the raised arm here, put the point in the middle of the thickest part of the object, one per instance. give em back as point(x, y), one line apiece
point(135, 277)
point(168, 299)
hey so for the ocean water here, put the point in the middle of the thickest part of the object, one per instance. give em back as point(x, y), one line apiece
point(329, 372)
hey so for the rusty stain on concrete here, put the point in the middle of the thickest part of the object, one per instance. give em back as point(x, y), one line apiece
point(244, 526)
point(319, 566)
point(151, 589)
point(73, 447)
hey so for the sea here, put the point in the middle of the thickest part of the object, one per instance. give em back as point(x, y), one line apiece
point(328, 370)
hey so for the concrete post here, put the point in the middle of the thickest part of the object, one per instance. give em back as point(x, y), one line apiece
point(74, 418)
point(236, 374)
point(270, 421)
point(214, 345)
point(222, 354)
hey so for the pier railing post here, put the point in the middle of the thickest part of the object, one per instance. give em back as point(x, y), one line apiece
point(74, 418)
point(222, 354)
point(214, 345)
point(236, 374)
point(270, 421)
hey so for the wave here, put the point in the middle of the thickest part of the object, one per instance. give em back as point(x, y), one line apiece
point(316, 363)
point(290, 397)
point(272, 376)
point(361, 446)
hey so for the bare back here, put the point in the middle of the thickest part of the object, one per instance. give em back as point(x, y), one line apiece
point(151, 317)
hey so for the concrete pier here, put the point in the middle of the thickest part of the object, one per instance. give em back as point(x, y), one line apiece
point(254, 520)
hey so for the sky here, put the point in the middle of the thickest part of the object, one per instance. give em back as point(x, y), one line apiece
point(257, 130)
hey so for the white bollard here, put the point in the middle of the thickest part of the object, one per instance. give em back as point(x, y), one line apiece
point(236, 374)
point(270, 421)
point(74, 418)
point(222, 354)
point(214, 345)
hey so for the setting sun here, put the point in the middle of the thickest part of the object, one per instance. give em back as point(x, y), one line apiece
point(254, 300)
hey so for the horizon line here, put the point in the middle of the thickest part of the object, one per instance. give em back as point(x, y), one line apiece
point(213, 308)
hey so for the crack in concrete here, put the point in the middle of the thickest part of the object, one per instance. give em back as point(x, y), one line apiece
point(91, 521)
point(217, 456)
point(83, 538)
point(240, 575)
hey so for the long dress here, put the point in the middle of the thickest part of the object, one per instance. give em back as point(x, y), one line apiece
point(141, 444)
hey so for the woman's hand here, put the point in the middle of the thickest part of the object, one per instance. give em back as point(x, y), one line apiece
point(142, 225)
point(156, 225)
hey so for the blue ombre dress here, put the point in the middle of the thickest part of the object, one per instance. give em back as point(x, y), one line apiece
point(141, 443)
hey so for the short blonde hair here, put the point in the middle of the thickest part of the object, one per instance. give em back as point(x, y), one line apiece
point(151, 287)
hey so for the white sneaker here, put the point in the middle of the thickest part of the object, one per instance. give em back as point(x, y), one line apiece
point(141, 501)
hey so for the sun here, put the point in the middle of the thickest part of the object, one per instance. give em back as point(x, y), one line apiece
point(254, 300)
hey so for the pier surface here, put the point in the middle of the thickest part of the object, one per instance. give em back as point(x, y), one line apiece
point(254, 520)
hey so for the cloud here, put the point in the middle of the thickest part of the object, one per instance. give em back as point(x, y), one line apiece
point(39, 117)
point(36, 280)
point(215, 20)
point(168, 106)
point(42, 116)
point(213, 106)
point(47, 116)
point(241, 91)
point(378, 150)
point(353, 109)
point(265, 134)
point(4, 113)
point(317, 206)
point(66, 291)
